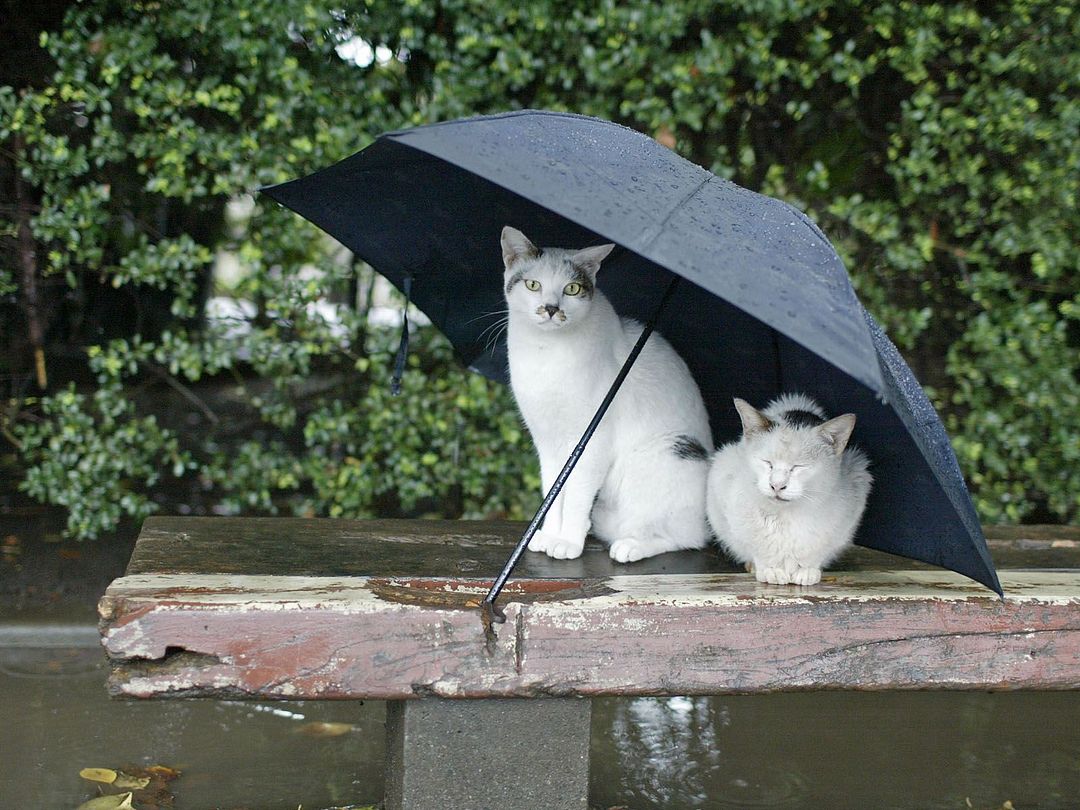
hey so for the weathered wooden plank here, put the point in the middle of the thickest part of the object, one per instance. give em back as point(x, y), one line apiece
point(433, 548)
point(389, 548)
point(393, 638)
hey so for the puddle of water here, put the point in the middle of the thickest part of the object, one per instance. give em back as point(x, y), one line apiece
point(897, 750)
point(57, 718)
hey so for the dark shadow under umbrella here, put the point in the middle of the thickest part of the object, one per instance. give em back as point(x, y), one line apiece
point(769, 307)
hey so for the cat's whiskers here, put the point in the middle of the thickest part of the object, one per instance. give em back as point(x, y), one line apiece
point(494, 332)
point(493, 313)
point(491, 333)
point(493, 341)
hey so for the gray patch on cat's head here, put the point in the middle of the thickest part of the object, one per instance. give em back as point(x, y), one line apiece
point(514, 278)
point(519, 254)
point(802, 419)
point(689, 448)
point(587, 282)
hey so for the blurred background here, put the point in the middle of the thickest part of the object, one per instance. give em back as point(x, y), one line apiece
point(170, 342)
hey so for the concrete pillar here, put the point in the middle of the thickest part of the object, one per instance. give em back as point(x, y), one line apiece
point(512, 754)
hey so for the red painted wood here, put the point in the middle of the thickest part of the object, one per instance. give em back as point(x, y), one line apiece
point(356, 637)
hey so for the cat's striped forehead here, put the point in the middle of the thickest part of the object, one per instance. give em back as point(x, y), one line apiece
point(553, 268)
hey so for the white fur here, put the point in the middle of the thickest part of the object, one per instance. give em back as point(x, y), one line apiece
point(786, 500)
point(629, 488)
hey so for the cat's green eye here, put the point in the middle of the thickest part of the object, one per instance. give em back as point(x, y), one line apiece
point(532, 284)
point(573, 288)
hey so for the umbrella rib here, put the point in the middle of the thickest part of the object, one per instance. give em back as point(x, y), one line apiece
point(659, 229)
point(492, 613)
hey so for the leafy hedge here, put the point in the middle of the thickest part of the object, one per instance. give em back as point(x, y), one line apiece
point(936, 143)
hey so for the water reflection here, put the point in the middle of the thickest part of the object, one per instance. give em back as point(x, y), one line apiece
point(898, 750)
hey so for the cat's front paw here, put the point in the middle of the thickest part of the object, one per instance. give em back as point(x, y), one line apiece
point(557, 547)
point(629, 550)
point(806, 576)
point(771, 575)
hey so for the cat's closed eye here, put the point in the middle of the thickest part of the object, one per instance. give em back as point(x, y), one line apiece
point(532, 284)
point(573, 288)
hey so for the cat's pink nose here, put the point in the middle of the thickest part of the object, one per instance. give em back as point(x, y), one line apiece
point(551, 309)
point(777, 488)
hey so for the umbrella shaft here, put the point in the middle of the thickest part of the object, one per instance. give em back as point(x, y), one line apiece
point(489, 601)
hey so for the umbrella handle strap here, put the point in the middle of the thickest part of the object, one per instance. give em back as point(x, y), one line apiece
point(491, 613)
point(403, 346)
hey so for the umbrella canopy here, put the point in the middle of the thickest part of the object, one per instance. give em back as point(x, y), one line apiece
point(770, 308)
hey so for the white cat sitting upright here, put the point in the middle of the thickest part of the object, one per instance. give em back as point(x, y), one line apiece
point(640, 484)
point(787, 497)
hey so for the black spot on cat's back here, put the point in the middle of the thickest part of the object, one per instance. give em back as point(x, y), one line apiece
point(689, 448)
point(802, 419)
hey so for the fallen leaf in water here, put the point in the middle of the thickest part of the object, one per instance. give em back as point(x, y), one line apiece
point(105, 775)
point(325, 729)
point(163, 771)
point(131, 787)
point(120, 802)
point(126, 780)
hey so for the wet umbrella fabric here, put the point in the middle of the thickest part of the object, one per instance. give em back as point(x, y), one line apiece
point(770, 307)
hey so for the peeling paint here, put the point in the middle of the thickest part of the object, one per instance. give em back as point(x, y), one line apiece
point(306, 637)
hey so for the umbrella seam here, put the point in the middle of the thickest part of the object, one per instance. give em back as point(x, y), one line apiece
point(659, 229)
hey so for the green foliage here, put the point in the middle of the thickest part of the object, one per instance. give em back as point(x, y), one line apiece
point(938, 144)
point(450, 435)
point(95, 456)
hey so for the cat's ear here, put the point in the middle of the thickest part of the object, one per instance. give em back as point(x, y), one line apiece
point(753, 420)
point(836, 432)
point(588, 260)
point(515, 245)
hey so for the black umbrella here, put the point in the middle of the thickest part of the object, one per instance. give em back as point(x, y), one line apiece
point(770, 307)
